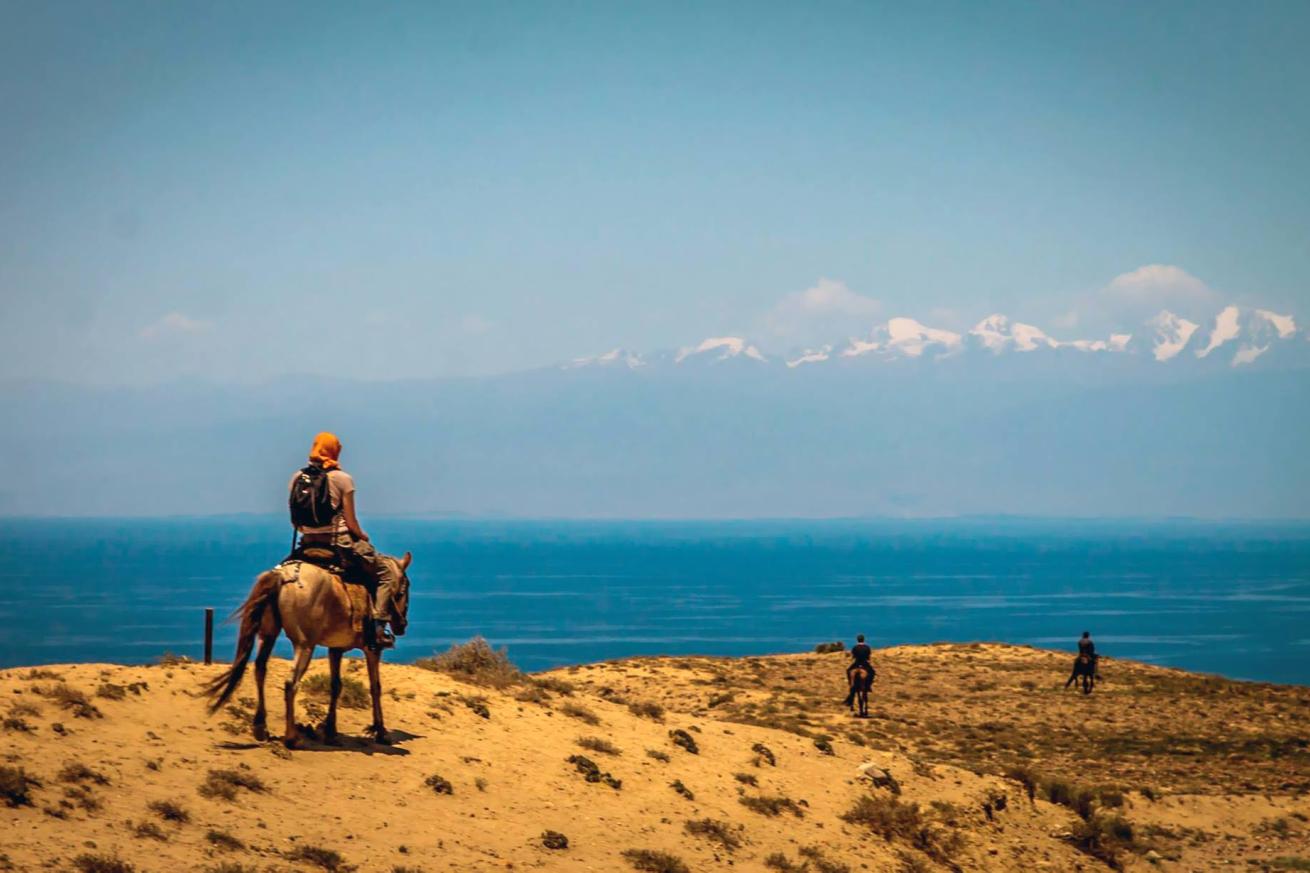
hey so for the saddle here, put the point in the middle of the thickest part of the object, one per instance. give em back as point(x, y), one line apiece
point(358, 588)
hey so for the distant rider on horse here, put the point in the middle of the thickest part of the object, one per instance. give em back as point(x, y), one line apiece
point(860, 654)
point(336, 527)
point(1088, 648)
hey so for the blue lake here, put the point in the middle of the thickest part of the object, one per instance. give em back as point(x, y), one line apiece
point(1224, 598)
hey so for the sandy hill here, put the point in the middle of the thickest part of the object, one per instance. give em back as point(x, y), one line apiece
point(973, 759)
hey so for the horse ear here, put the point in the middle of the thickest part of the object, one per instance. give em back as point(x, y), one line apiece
point(404, 562)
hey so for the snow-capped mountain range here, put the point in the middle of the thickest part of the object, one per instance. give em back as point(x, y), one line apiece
point(1236, 335)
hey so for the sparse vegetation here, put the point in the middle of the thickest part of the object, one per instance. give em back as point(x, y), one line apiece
point(771, 805)
point(110, 691)
point(20, 725)
point(150, 830)
point(88, 863)
point(170, 659)
point(37, 674)
point(1104, 836)
point(824, 746)
point(554, 840)
point(662, 757)
point(354, 694)
point(581, 713)
point(319, 857)
point(747, 779)
point(439, 785)
point(476, 705)
point(829, 648)
point(170, 811)
point(593, 773)
point(16, 786)
point(70, 698)
point(822, 863)
point(892, 819)
point(475, 662)
point(684, 740)
point(598, 744)
point(75, 771)
point(651, 861)
point(717, 831)
point(224, 841)
point(763, 755)
point(223, 784)
point(231, 867)
point(647, 709)
point(686, 792)
point(778, 861)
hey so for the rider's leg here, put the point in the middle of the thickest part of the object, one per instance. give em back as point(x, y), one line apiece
point(381, 572)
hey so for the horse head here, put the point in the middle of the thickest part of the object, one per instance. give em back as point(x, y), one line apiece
point(400, 597)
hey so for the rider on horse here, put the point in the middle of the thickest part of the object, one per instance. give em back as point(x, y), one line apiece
point(1088, 648)
point(860, 654)
point(342, 533)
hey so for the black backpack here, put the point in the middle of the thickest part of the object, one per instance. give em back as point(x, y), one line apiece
point(311, 499)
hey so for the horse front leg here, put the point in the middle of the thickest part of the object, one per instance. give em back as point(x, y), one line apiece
point(291, 734)
point(374, 660)
point(260, 723)
point(334, 666)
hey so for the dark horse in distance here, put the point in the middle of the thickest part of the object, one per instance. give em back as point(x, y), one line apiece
point(1084, 668)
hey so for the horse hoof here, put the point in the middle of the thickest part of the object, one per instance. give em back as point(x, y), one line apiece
point(291, 742)
point(260, 732)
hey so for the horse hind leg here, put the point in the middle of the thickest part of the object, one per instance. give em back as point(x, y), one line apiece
point(260, 724)
point(374, 660)
point(334, 665)
point(291, 734)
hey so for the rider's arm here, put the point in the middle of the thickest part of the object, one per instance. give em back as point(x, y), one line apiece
point(348, 513)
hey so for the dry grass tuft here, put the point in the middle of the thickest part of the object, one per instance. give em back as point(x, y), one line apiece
point(651, 861)
point(772, 805)
point(684, 740)
point(475, 662)
point(647, 709)
point(592, 773)
point(70, 698)
point(354, 694)
point(16, 786)
point(170, 811)
point(554, 840)
point(88, 863)
point(718, 831)
point(150, 830)
point(75, 771)
point(318, 856)
point(662, 757)
point(581, 713)
point(223, 784)
point(224, 841)
point(598, 744)
point(891, 819)
point(439, 785)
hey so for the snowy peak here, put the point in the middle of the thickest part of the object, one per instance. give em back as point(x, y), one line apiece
point(720, 348)
point(1253, 332)
point(998, 334)
point(612, 358)
point(1172, 333)
point(904, 337)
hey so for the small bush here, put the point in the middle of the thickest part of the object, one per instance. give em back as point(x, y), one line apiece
point(891, 819)
point(562, 687)
point(1104, 837)
point(593, 773)
point(824, 746)
point(223, 784)
point(476, 662)
point(354, 694)
point(231, 867)
point(1026, 778)
point(712, 829)
point(88, 863)
point(829, 648)
point(822, 864)
point(477, 705)
point(532, 694)
point(684, 740)
point(14, 723)
point(25, 709)
point(75, 771)
point(778, 861)
point(647, 709)
point(70, 698)
point(439, 785)
point(677, 786)
point(650, 861)
point(581, 713)
point(40, 673)
point(169, 659)
point(771, 806)
point(662, 757)
point(170, 811)
point(16, 786)
point(597, 744)
point(110, 691)
point(319, 857)
point(720, 699)
point(224, 841)
point(763, 755)
point(747, 779)
point(554, 840)
point(150, 830)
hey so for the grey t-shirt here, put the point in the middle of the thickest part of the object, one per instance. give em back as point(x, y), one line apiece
point(339, 485)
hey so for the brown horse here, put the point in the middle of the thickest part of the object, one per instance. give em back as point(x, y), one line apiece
point(314, 607)
point(1084, 668)
point(861, 678)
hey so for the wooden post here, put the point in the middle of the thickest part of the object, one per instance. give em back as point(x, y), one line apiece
point(209, 634)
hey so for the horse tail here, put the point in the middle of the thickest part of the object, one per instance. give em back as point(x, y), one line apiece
point(262, 595)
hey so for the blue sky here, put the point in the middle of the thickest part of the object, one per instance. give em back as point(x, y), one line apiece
point(240, 191)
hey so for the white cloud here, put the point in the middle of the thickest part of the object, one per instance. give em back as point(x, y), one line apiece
point(826, 308)
point(1153, 280)
point(171, 325)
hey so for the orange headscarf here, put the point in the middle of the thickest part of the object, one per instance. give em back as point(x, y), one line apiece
point(325, 451)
